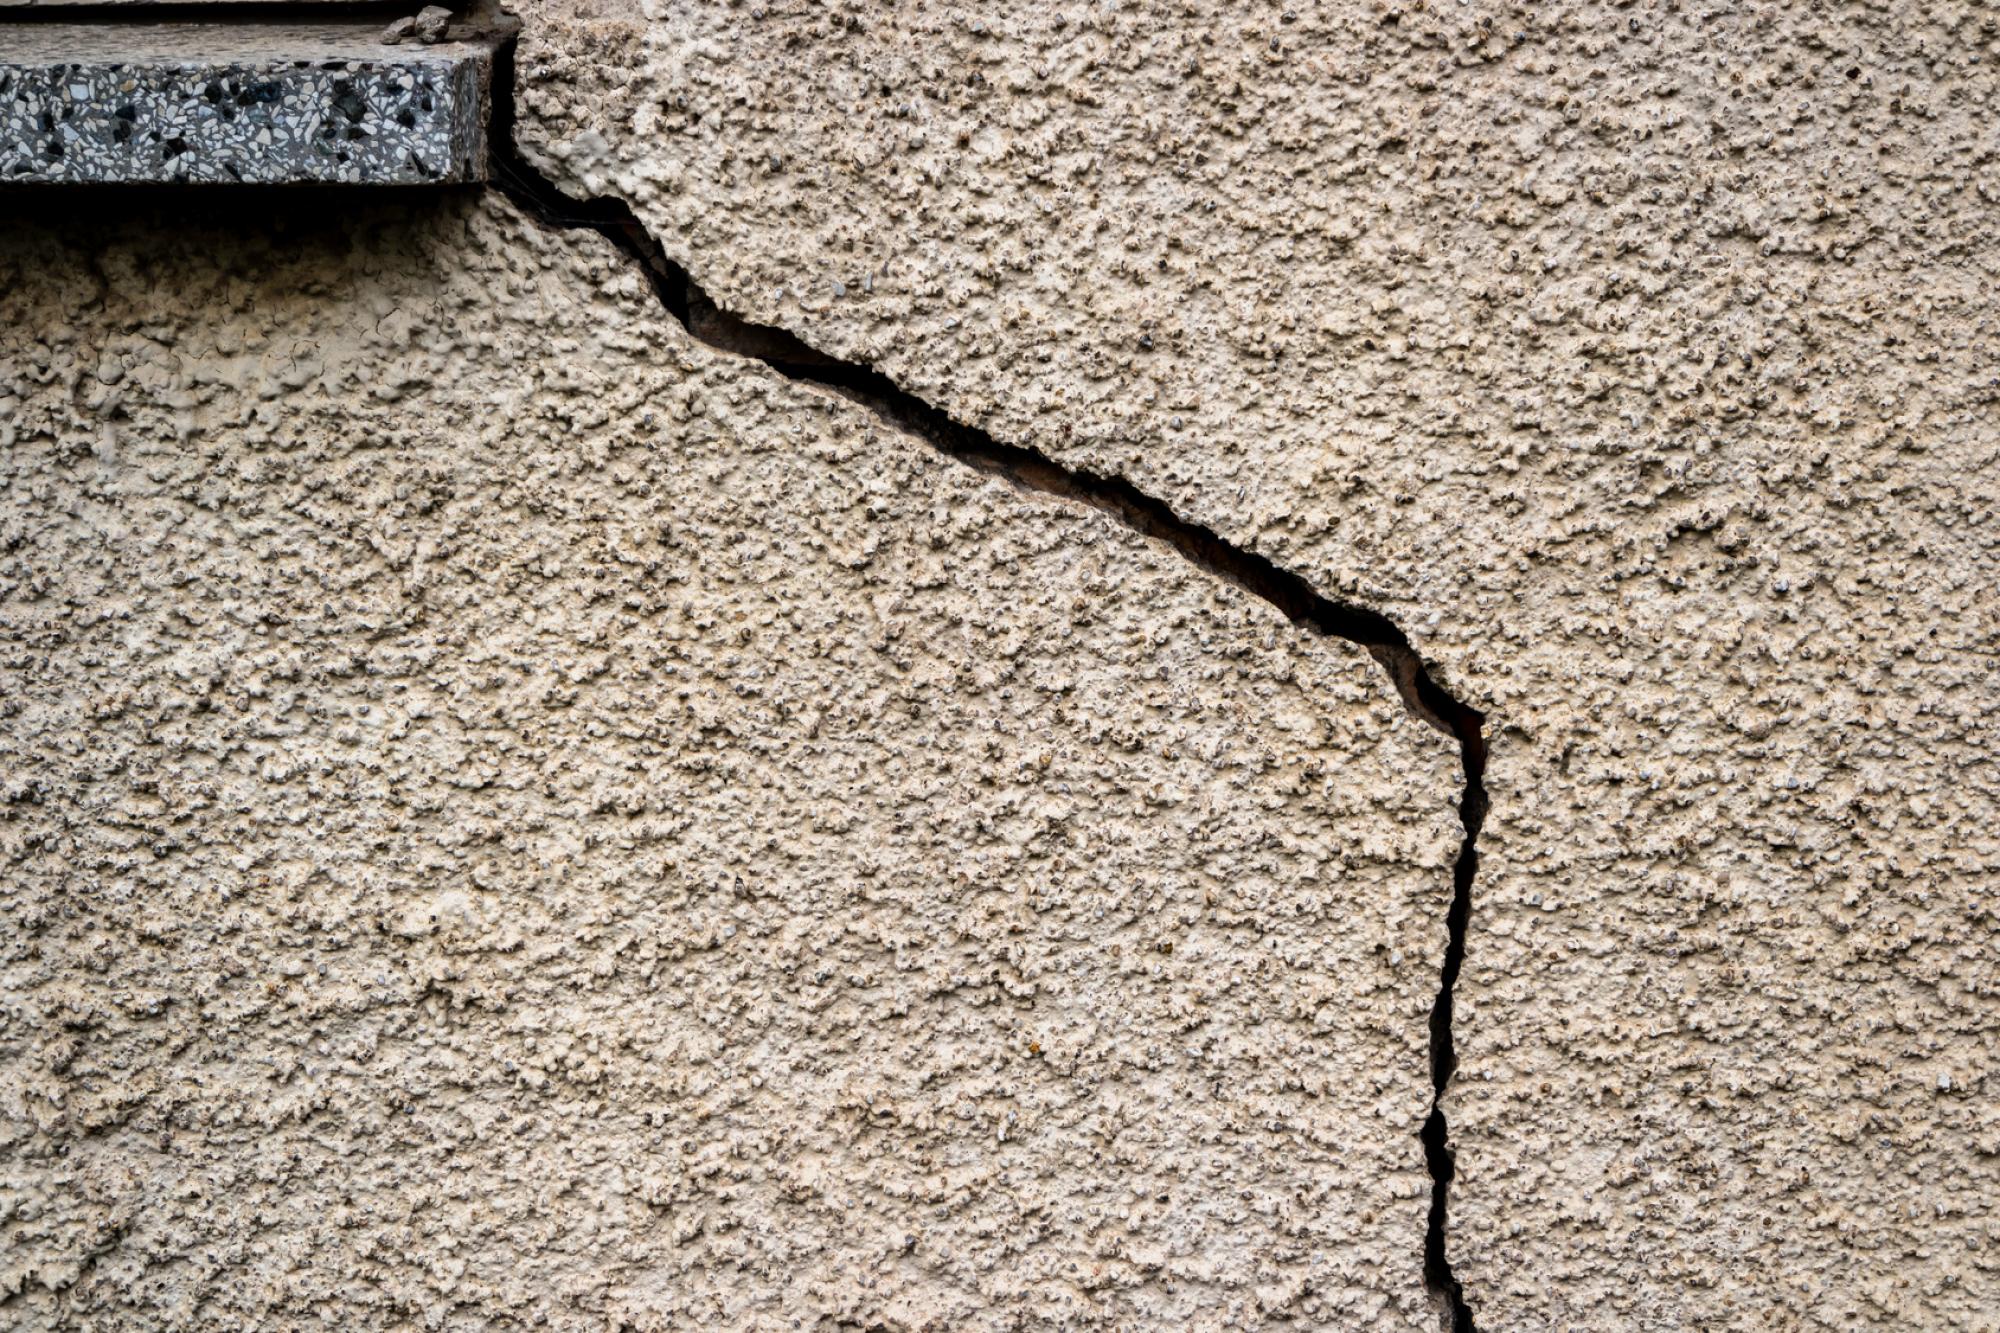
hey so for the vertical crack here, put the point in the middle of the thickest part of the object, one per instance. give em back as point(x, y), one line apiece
point(1468, 725)
point(1030, 469)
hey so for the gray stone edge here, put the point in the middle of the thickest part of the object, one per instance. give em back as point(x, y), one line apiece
point(415, 120)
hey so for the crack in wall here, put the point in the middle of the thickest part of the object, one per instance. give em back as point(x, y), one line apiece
point(1031, 470)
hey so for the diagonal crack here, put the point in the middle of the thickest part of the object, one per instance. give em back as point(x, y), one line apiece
point(1030, 469)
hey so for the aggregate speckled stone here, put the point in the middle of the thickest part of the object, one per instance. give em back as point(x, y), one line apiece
point(230, 103)
point(1638, 360)
point(138, 6)
point(510, 819)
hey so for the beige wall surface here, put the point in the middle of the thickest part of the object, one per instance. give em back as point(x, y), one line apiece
point(513, 818)
point(512, 815)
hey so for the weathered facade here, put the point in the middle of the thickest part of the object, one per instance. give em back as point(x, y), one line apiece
point(532, 801)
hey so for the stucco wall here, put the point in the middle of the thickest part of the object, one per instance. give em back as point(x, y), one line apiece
point(512, 817)
point(514, 814)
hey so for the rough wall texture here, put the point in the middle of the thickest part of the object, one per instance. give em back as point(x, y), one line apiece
point(510, 817)
point(1638, 361)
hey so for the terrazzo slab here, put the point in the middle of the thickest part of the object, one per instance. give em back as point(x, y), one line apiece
point(239, 103)
point(184, 4)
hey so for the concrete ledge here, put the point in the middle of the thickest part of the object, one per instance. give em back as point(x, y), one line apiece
point(272, 104)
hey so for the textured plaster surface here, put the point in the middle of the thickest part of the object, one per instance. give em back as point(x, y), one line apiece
point(511, 819)
point(1639, 361)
